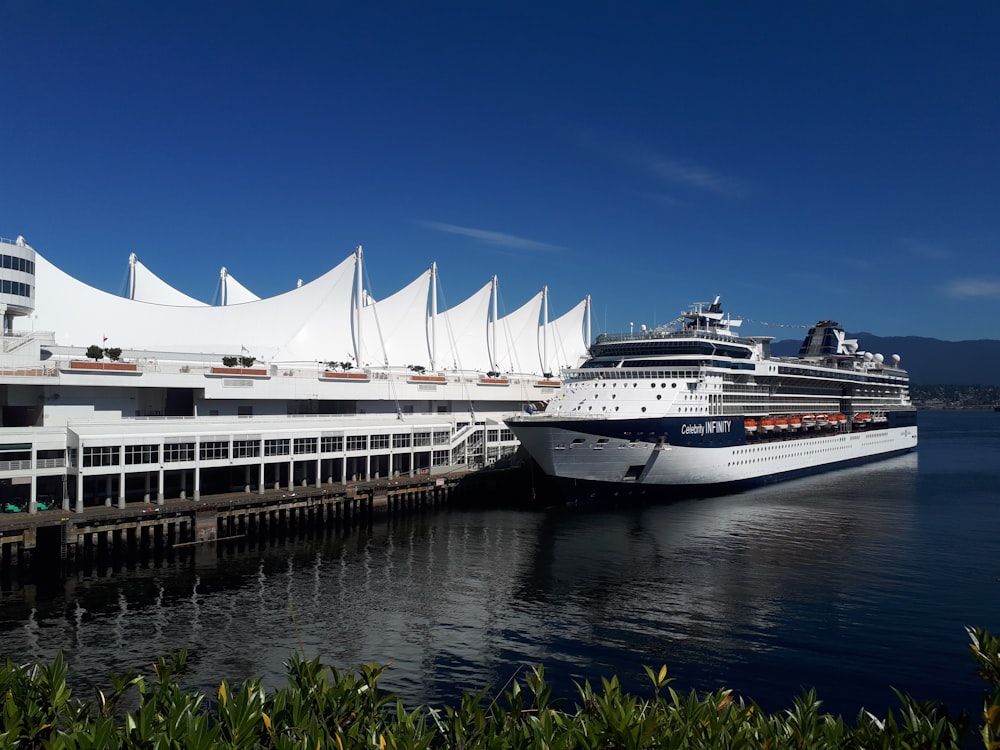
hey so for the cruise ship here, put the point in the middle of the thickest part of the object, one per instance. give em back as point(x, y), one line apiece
point(696, 408)
point(150, 394)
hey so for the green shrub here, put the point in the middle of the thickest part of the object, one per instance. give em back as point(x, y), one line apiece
point(324, 708)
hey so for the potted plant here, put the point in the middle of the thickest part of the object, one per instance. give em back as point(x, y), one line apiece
point(97, 353)
point(239, 365)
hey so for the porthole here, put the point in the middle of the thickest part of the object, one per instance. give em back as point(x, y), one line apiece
point(673, 385)
point(659, 396)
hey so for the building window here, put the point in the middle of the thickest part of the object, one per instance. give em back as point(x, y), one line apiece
point(276, 447)
point(332, 444)
point(440, 458)
point(441, 438)
point(214, 450)
point(506, 435)
point(173, 452)
point(492, 436)
point(102, 455)
point(380, 442)
point(401, 441)
point(357, 442)
point(304, 445)
point(421, 438)
point(142, 454)
point(246, 448)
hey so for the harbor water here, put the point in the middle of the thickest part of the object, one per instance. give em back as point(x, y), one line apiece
point(853, 582)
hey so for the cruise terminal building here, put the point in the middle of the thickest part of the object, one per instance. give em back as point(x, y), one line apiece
point(320, 384)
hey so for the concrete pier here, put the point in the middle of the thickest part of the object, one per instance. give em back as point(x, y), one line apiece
point(59, 537)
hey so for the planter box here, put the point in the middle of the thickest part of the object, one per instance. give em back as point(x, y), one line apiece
point(253, 372)
point(78, 365)
point(547, 384)
point(427, 379)
point(354, 377)
point(494, 381)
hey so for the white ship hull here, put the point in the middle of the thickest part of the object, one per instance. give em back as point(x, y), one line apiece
point(581, 456)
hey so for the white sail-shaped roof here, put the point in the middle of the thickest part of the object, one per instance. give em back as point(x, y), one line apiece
point(146, 286)
point(566, 340)
point(305, 324)
point(394, 330)
point(233, 292)
point(461, 333)
point(517, 338)
point(316, 322)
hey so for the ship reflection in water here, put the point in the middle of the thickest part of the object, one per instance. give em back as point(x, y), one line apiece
point(805, 583)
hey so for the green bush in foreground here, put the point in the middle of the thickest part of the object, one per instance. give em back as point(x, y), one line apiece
point(325, 708)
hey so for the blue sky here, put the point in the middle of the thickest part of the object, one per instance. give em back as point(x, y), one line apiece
point(804, 160)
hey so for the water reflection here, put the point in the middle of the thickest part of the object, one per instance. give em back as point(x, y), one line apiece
point(797, 584)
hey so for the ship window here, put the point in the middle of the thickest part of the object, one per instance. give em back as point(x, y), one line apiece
point(673, 385)
point(659, 396)
point(644, 408)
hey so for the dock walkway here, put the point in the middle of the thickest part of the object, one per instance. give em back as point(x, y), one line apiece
point(184, 522)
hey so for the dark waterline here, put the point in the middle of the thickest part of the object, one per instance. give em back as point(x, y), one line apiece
point(851, 582)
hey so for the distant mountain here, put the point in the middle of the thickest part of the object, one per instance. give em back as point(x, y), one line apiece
point(929, 361)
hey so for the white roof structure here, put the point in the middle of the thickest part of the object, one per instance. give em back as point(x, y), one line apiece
point(319, 321)
point(146, 286)
point(232, 292)
point(461, 333)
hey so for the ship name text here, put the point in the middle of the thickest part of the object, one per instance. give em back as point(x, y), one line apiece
point(708, 427)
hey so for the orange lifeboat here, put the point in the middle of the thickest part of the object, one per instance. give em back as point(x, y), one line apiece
point(863, 417)
point(781, 423)
point(750, 425)
point(808, 420)
point(767, 424)
point(794, 423)
point(822, 420)
point(838, 419)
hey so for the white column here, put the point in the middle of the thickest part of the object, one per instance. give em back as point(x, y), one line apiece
point(493, 327)
point(359, 290)
point(434, 313)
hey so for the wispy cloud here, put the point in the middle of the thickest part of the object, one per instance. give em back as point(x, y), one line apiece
point(973, 288)
point(926, 250)
point(677, 172)
point(490, 237)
